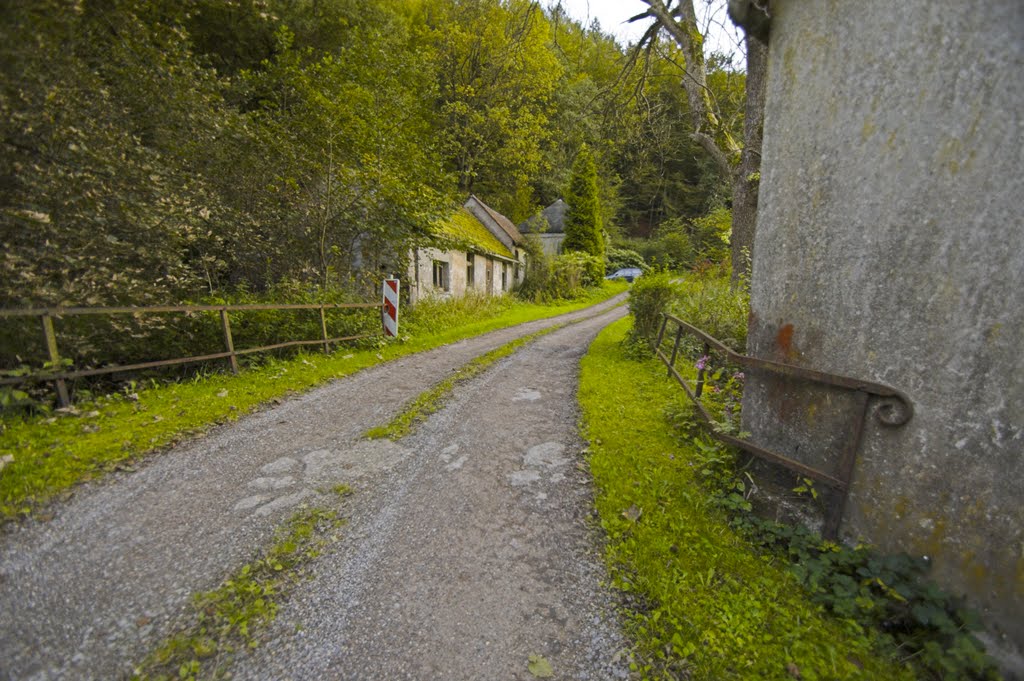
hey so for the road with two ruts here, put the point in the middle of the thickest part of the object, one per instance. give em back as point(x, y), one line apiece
point(469, 547)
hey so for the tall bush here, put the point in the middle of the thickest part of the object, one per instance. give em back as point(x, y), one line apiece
point(708, 301)
point(537, 280)
point(620, 258)
point(583, 229)
point(649, 296)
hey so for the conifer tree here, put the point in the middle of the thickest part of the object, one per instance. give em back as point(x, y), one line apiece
point(583, 230)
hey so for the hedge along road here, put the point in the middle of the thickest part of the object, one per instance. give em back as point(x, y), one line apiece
point(466, 550)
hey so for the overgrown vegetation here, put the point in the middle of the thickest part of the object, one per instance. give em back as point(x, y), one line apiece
point(46, 453)
point(566, 276)
point(159, 151)
point(232, 616)
point(913, 619)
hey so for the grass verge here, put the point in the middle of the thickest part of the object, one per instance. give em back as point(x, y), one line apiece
point(232, 616)
point(702, 603)
point(430, 401)
point(43, 457)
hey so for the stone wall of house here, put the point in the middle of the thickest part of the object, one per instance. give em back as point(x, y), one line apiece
point(890, 247)
point(421, 286)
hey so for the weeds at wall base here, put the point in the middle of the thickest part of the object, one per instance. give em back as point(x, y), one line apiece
point(884, 600)
point(701, 602)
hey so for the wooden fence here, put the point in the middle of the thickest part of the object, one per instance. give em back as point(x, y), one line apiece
point(59, 378)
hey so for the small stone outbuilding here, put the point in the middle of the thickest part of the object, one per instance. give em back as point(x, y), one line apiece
point(549, 226)
point(477, 250)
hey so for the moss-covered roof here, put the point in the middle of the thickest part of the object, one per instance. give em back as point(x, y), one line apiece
point(463, 230)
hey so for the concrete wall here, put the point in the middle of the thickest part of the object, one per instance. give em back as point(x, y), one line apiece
point(890, 247)
point(457, 261)
point(552, 243)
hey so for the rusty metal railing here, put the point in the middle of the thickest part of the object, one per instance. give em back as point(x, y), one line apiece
point(59, 378)
point(892, 408)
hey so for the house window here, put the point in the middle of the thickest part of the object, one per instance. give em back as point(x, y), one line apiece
point(504, 277)
point(470, 269)
point(441, 280)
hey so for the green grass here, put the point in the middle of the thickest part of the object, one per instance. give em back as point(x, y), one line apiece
point(51, 454)
point(430, 401)
point(703, 604)
point(231, 616)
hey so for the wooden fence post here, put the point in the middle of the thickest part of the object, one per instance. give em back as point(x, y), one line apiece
point(228, 342)
point(51, 350)
point(323, 331)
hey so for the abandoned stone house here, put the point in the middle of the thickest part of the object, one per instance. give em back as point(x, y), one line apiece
point(478, 249)
point(549, 226)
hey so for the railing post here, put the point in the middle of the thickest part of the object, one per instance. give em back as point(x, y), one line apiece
point(661, 330)
point(847, 461)
point(675, 348)
point(225, 324)
point(323, 330)
point(699, 389)
point(51, 350)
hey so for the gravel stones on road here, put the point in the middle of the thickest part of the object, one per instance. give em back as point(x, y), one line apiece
point(97, 588)
point(473, 554)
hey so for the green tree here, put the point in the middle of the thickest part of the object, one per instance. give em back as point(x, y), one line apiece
point(496, 74)
point(738, 164)
point(583, 228)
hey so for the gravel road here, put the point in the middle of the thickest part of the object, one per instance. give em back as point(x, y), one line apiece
point(467, 551)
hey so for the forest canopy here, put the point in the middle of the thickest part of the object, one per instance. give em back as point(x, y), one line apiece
point(166, 150)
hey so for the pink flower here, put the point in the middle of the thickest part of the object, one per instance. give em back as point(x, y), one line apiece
point(702, 363)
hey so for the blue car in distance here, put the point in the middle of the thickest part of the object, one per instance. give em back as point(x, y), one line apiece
point(627, 273)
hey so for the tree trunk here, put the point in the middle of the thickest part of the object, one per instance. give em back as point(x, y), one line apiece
point(748, 174)
point(681, 23)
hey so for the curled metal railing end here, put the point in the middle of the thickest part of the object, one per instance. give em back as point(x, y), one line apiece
point(893, 410)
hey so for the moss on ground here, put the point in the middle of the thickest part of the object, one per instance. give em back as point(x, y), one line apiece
point(702, 603)
point(232, 616)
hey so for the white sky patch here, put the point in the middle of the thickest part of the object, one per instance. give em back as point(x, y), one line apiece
point(722, 35)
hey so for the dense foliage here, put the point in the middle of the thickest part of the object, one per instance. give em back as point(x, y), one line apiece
point(158, 151)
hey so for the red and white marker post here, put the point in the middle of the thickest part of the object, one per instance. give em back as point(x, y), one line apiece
point(390, 314)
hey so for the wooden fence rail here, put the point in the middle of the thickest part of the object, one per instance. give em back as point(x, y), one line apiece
point(59, 378)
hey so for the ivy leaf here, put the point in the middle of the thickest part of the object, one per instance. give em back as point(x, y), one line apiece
point(540, 667)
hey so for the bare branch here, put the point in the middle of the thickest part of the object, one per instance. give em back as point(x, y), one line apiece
point(721, 160)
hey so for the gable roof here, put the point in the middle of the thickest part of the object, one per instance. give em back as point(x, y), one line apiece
point(554, 215)
point(463, 230)
point(500, 225)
